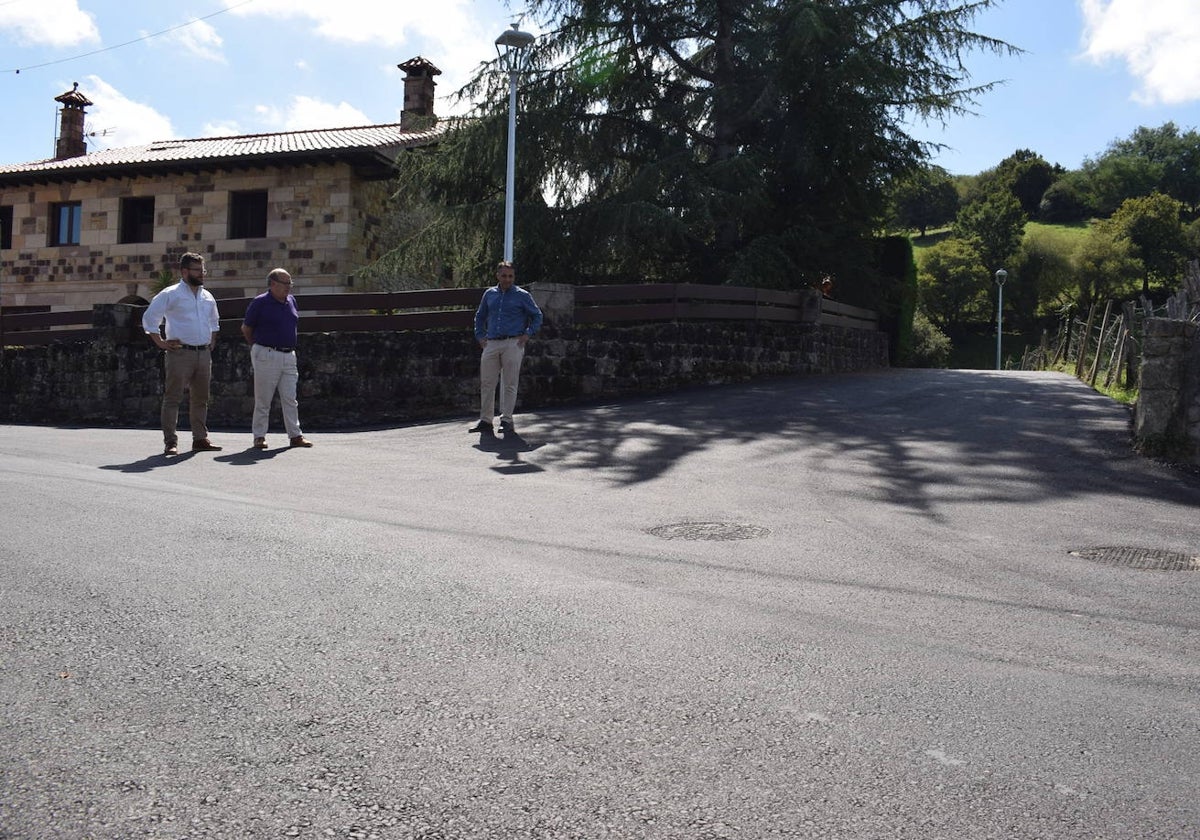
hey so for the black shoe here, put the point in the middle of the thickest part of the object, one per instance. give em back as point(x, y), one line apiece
point(170, 449)
point(506, 427)
point(204, 445)
point(482, 426)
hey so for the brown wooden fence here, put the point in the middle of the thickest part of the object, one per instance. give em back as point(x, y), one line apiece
point(455, 308)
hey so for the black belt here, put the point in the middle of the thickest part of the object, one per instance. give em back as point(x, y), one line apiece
point(506, 337)
point(280, 349)
point(193, 346)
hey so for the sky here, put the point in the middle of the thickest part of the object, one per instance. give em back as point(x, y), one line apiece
point(1091, 71)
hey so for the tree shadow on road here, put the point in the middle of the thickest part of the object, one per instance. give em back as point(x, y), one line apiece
point(907, 437)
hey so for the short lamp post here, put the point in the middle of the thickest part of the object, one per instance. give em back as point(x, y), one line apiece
point(512, 50)
point(1001, 276)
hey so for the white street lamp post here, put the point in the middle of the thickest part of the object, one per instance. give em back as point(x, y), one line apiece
point(1001, 276)
point(511, 47)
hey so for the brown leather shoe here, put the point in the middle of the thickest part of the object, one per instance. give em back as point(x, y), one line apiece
point(260, 443)
point(300, 440)
point(171, 449)
point(204, 445)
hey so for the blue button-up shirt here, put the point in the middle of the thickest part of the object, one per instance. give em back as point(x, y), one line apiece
point(504, 314)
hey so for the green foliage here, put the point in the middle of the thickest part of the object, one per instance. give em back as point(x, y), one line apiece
point(1066, 200)
point(741, 142)
point(930, 346)
point(898, 303)
point(994, 224)
point(1151, 159)
point(1191, 239)
point(1105, 266)
point(924, 199)
point(1044, 268)
point(165, 277)
point(953, 284)
point(1025, 174)
point(1152, 226)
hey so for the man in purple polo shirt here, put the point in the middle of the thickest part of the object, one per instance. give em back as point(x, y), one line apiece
point(270, 327)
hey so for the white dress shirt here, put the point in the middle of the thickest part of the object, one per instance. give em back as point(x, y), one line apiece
point(191, 318)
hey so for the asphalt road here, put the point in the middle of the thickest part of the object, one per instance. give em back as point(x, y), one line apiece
point(824, 607)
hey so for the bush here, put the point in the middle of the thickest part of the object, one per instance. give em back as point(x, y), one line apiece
point(930, 346)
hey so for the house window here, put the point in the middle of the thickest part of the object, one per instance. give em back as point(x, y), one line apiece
point(66, 222)
point(248, 214)
point(137, 220)
point(6, 217)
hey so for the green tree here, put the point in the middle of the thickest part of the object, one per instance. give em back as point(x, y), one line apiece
point(1159, 159)
point(930, 346)
point(739, 141)
point(1045, 268)
point(1066, 200)
point(1105, 266)
point(923, 199)
point(953, 284)
point(994, 225)
point(1025, 174)
point(1153, 227)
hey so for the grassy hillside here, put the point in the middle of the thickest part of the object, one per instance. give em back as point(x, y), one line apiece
point(1069, 235)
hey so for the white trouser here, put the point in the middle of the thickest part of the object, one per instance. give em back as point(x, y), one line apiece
point(501, 360)
point(274, 371)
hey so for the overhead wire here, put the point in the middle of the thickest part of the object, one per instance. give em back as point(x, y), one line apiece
point(17, 70)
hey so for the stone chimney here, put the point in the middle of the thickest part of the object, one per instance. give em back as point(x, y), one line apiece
point(418, 94)
point(71, 142)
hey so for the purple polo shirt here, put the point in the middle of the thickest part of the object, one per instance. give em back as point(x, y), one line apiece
point(275, 323)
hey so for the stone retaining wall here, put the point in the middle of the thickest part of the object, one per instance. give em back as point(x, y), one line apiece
point(1168, 409)
point(362, 379)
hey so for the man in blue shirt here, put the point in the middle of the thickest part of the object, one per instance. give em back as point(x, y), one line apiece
point(506, 318)
point(270, 327)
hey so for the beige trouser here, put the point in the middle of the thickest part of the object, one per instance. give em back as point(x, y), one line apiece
point(501, 360)
point(274, 371)
point(191, 369)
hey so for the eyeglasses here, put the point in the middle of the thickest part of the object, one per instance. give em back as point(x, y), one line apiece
point(283, 282)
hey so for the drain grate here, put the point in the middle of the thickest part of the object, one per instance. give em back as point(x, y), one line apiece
point(1149, 559)
point(708, 531)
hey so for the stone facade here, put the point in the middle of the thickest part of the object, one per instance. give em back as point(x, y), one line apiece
point(320, 223)
point(361, 379)
point(1167, 421)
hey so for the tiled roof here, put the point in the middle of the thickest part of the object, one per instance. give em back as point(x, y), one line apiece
point(380, 143)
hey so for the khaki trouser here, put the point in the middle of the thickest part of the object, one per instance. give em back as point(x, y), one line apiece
point(191, 369)
point(501, 360)
point(274, 371)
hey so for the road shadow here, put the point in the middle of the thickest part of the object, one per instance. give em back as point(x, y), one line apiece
point(250, 456)
point(992, 436)
point(509, 449)
point(152, 462)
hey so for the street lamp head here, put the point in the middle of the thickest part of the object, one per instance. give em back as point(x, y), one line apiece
point(1001, 276)
point(511, 49)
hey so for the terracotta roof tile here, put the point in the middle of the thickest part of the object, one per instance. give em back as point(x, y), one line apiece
point(377, 140)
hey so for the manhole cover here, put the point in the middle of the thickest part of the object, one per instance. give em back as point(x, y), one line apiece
point(708, 531)
point(1151, 559)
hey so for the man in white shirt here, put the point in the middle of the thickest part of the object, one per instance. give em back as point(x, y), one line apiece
point(192, 326)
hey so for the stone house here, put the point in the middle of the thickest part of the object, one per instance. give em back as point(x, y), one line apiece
point(85, 228)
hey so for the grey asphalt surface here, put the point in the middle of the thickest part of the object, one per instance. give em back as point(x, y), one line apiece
point(401, 633)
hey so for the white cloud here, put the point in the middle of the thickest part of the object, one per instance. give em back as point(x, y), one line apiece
point(1159, 41)
point(227, 128)
point(119, 121)
point(304, 112)
point(454, 34)
point(56, 23)
point(200, 39)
